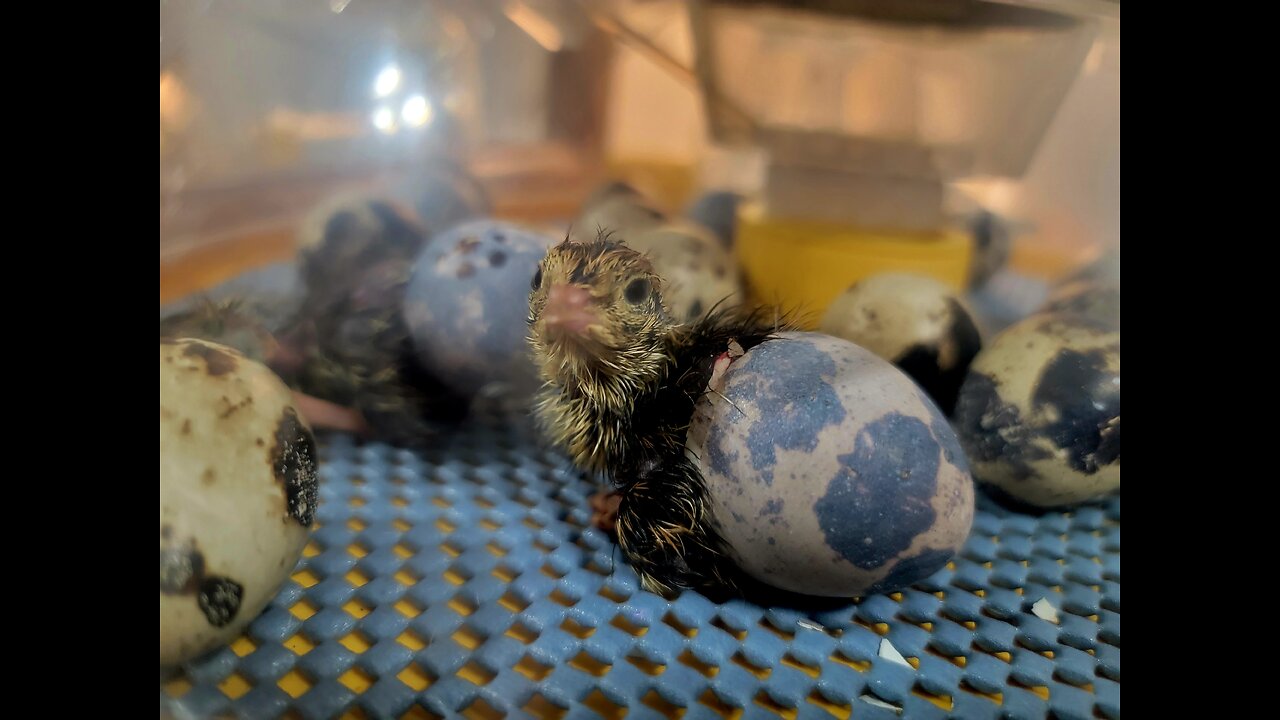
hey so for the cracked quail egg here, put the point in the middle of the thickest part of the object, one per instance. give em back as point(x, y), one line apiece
point(828, 471)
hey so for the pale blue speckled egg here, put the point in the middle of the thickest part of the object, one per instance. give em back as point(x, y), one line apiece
point(829, 471)
point(467, 305)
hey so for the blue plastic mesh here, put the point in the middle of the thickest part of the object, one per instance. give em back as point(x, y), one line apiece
point(467, 581)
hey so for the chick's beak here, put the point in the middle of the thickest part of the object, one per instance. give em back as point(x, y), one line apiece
point(569, 310)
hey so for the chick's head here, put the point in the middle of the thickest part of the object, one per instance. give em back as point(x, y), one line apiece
point(597, 308)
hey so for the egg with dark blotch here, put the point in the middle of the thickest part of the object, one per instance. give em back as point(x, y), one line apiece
point(914, 322)
point(467, 305)
point(698, 273)
point(1094, 300)
point(616, 207)
point(717, 211)
point(1040, 411)
point(238, 493)
point(828, 471)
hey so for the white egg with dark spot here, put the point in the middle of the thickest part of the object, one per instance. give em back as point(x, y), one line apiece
point(914, 322)
point(467, 305)
point(238, 493)
point(698, 273)
point(1040, 411)
point(829, 472)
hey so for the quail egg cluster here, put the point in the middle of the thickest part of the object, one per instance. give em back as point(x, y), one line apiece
point(829, 461)
point(1038, 407)
point(238, 492)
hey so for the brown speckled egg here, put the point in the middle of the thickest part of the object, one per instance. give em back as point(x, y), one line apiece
point(1040, 412)
point(237, 493)
point(697, 271)
point(914, 322)
point(829, 472)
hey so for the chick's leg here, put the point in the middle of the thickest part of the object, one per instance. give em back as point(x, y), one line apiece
point(324, 414)
point(604, 510)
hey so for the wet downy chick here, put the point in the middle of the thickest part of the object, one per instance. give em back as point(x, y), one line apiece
point(343, 237)
point(346, 350)
point(621, 380)
point(242, 324)
point(356, 260)
point(235, 323)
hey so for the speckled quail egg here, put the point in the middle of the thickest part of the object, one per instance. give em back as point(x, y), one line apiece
point(237, 493)
point(829, 472)
point(697, 271)
point(914, 322)
point(616, 207)
point(1040, 411)
point(467, 305)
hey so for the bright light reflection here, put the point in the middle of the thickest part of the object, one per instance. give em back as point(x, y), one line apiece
point(416, 111)
point(384, 120)
point(387, 81)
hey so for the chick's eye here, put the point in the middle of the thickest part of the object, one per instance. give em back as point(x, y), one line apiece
point(637, 291)
point(537, 279)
